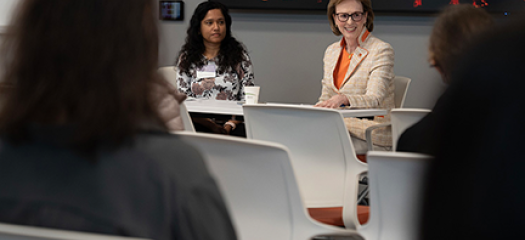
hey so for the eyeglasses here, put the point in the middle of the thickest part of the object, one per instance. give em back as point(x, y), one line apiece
point(356, 17)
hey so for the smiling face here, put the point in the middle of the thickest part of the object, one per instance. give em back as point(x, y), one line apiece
point(213, 27)
point(350, 28)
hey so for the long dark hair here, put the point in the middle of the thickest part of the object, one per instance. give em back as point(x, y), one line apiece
point(231, 53)
point(87, 63)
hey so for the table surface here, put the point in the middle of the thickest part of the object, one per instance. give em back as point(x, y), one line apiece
point(235, 108)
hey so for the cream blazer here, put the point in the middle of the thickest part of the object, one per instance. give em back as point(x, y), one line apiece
point(369, 83)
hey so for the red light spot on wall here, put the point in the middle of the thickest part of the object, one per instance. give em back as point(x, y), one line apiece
point(475, 3)
point(481, 3)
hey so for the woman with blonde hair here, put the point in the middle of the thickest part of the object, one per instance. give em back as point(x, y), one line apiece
point(358, 71)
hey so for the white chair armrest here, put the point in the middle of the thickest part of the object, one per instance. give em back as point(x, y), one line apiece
point(368, 134)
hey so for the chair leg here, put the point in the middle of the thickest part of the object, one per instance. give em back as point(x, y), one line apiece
point(362, 196)
point(361, 199)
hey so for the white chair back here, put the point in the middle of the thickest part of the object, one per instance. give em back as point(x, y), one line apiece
point(396, 182)
point(322, 153)
point(401, 85)
point(20, 232)
point(186, 119)
point(404, 118)
point(258, 184)
point(169, 74)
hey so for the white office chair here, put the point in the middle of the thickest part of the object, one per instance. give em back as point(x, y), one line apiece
point(401, 85)
point(322, 153)
point(169, 74)
point(20, 232)
point(259, 187)
point(403, 118)
point(186, 119)
point(396, 182)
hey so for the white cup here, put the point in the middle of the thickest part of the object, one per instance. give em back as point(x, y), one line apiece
point(251, 94)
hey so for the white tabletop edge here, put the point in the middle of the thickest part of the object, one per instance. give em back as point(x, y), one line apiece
point(363, 112)
point(232, 108)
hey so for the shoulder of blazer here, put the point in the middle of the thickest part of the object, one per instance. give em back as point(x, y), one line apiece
point(334, 46)
point(332, 52)
point(372, 43)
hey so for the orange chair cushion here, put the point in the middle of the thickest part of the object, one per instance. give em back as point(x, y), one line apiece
point(334, 216)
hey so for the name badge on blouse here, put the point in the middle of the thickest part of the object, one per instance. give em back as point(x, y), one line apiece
point(207, 71)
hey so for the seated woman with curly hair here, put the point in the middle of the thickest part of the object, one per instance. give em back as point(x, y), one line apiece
point(213, 65)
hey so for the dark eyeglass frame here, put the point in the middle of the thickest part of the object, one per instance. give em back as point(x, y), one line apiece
point(356, 17)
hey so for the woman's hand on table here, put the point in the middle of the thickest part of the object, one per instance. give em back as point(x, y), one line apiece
point(231, 125)
point(210, 124)
point(334, 102)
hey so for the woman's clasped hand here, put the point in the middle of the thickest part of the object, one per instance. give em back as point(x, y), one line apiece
point(334, 102)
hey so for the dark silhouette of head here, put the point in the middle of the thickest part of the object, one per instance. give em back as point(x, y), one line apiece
point(87, 63)
point(474, 186)
point(456, 28)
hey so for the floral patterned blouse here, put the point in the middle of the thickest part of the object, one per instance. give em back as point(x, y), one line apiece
point(226, 86)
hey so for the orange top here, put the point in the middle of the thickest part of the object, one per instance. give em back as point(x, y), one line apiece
point(342, 66)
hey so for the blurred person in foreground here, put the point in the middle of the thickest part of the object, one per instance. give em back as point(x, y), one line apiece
point(82, 144)
point(456, 28)
point(474, 188)
point(358, 71)
point(212, 64)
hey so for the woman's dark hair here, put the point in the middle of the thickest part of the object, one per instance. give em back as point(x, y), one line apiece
point(231, 52)
point(86, 63)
